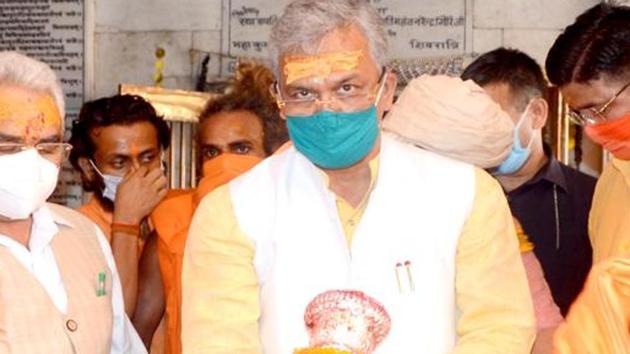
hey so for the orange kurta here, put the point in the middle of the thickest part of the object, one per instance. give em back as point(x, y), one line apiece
point(104, 218)
point(599, 319)
point(101, 217)
point(171, 219)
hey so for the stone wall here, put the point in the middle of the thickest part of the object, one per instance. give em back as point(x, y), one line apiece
point(126, 34)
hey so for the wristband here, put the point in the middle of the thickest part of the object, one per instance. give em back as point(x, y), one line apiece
point(130, 229)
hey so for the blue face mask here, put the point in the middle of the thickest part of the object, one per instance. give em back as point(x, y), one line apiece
point(519, 154)
point(111, 183)
point(334, 140)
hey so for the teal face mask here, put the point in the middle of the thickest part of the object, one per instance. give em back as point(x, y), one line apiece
point(334, 140)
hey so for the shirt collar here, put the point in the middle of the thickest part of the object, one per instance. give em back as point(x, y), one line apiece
point(44, 228)
point(551, 172)
point(58, 218)
point(373, 164)
point(46, 224)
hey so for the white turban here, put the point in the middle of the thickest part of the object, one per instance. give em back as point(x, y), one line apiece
point(454, 118)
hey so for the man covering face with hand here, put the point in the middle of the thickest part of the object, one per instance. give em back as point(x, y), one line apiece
point(118, 143)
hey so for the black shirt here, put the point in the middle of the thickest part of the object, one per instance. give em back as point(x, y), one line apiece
point(553, 209)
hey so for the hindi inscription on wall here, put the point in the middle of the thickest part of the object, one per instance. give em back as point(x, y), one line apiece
point(414, 29)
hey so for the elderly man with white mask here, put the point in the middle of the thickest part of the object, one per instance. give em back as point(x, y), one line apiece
point(429, 238)
point(59, 288)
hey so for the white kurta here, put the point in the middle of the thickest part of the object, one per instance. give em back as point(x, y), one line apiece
point(415, 213)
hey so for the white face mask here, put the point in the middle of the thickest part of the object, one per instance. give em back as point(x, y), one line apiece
point(26, 181)
point(111, 183)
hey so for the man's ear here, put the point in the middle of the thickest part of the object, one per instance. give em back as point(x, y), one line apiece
point(87, 170)
point(539, 111)
point(281, 113)
point(389, 90)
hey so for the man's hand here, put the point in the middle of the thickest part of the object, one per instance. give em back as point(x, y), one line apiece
point(138, 194)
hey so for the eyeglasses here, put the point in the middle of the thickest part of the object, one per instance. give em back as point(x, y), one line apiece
point(590, 116)
point(54, 152)
point(347, 98)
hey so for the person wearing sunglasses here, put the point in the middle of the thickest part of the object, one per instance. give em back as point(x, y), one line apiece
point(59, 288)
point(347, 207)
point(590, 63)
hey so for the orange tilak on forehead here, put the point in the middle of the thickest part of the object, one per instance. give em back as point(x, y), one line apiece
point(34, 127)
point(134, 150)
point(320, 66)
point(35, 113)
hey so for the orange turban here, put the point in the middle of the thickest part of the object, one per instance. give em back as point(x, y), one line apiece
point(453, 118)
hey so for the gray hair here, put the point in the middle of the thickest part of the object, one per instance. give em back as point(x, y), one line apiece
point(20, 70)
point(305, 22)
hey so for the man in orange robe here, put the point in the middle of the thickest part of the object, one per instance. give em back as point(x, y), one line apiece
point(117, 146)
point(236, 131)
point(172, 219)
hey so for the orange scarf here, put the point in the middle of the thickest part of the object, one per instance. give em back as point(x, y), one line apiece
point(172, 218)
point(221, 170)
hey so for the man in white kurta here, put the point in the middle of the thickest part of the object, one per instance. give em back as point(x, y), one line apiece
point(347, 207)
